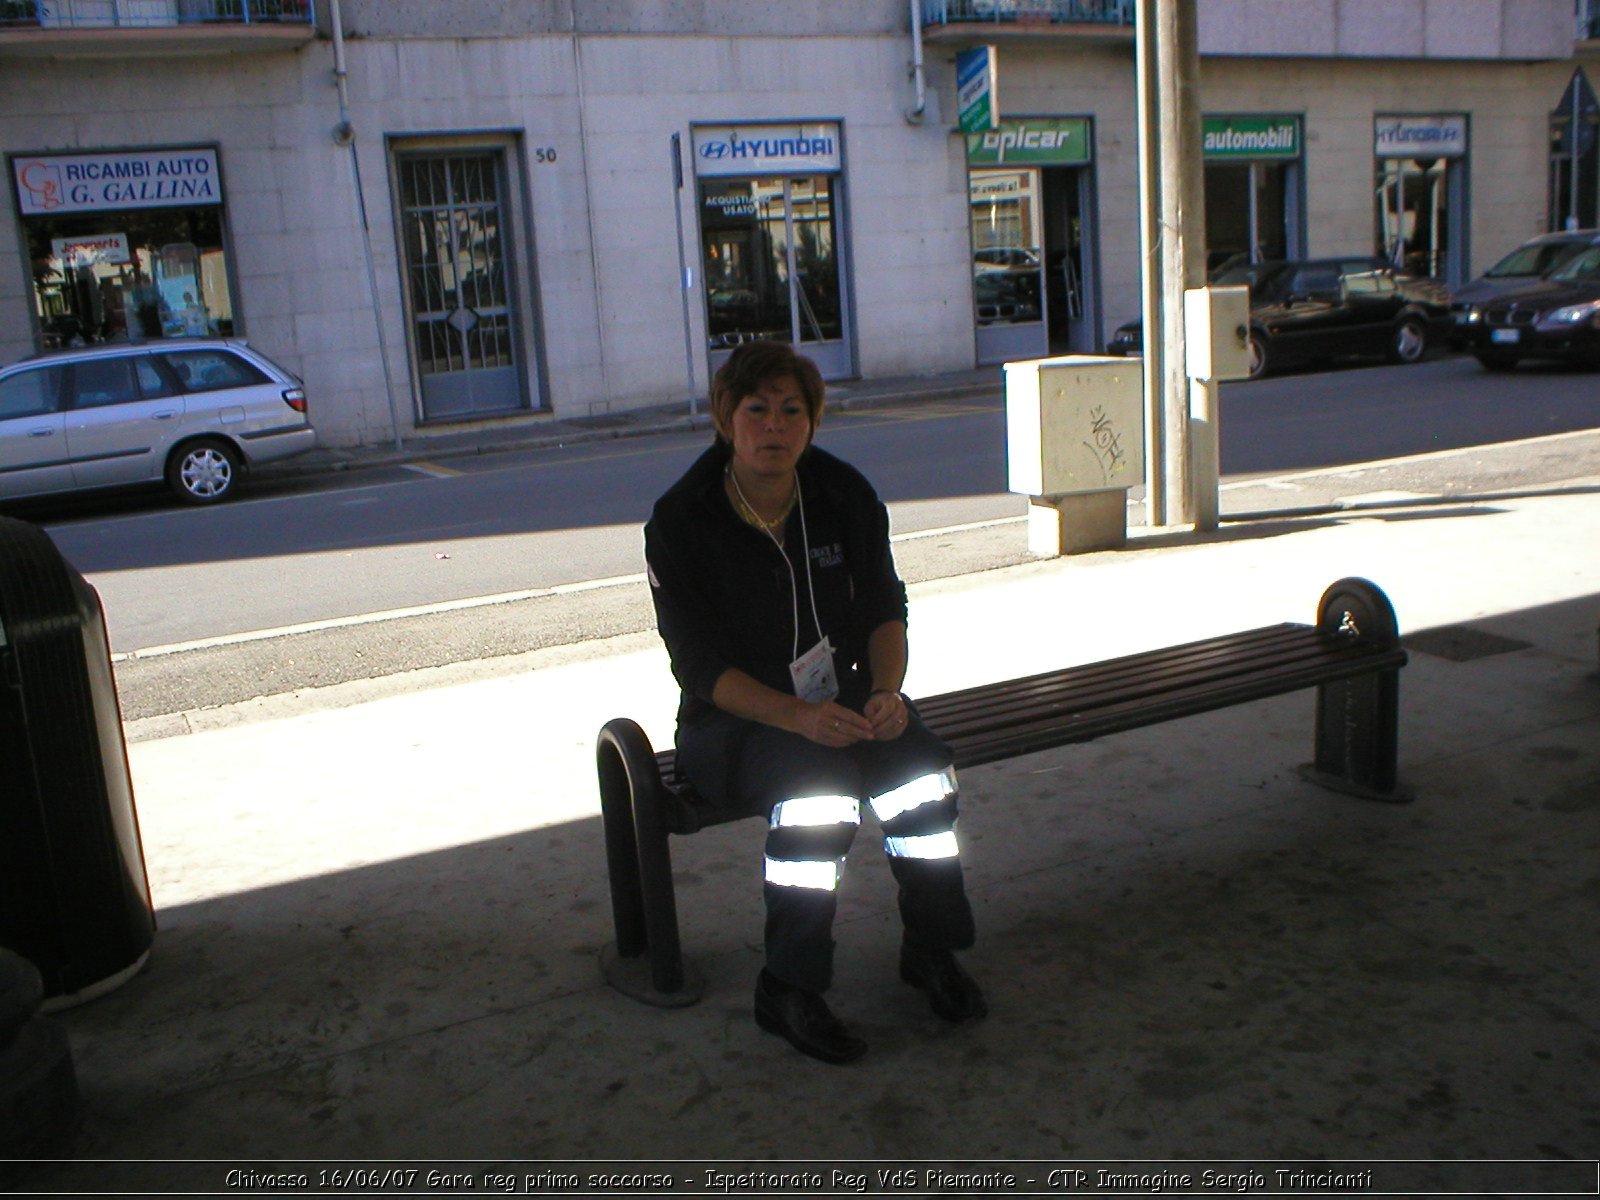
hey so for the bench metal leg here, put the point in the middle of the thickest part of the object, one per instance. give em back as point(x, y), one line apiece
point(645, 962)
point(1358, 720)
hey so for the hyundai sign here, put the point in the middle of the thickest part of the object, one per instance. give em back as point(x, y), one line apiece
point(1420, 137)
point(745, 150)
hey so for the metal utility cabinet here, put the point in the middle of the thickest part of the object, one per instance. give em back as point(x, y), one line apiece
point(1074, 446)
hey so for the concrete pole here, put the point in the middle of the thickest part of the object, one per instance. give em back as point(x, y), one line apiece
point(1154, 337)
point(1173, 240)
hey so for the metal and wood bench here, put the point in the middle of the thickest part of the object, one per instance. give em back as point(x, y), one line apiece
point(1352, 656)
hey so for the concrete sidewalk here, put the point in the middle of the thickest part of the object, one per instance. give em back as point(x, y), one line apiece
point(380, 917)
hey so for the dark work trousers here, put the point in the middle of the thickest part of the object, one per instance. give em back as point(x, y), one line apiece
point(808, 793)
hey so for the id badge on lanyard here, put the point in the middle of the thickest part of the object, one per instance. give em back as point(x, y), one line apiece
point(813, 674)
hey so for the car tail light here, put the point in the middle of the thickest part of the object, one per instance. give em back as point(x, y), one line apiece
point(295, 398)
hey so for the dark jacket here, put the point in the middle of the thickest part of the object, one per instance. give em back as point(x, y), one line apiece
point(723, 593)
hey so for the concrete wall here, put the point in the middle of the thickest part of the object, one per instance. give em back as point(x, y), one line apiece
point(716, 18)
point(1421, 29)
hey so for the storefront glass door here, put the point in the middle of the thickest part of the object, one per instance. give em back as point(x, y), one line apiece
point(772, 266)
point(1007, 211)
point(1032, 277)
point(462, 319)
point(1247, 214)
point(1030, 203)
point(1414, 225)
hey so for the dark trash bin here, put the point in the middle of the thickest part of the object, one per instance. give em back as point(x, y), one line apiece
point(74, 897)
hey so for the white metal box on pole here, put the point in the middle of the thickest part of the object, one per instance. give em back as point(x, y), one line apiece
point(1216, 324)
point(1074, 446)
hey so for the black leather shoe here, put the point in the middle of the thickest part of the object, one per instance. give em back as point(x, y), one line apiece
point(951, 991)
point(803, 1019)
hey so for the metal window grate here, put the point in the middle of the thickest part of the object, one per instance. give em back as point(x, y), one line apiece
point(455, 265)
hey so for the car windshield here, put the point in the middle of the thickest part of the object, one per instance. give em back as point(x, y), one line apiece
point(1583, 268)
point(1537, 259)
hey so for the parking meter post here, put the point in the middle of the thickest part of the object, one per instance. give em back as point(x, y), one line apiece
point(1205, 454)
point(1217, 337)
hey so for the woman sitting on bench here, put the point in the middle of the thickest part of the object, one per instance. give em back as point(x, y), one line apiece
point(777, 598)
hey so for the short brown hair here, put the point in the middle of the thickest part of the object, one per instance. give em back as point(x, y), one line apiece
point(750, 366)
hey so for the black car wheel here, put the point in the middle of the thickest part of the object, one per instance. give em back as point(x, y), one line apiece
point(1496, 360)
point(204, 471)
point(1258, 355)
point(1410, 341)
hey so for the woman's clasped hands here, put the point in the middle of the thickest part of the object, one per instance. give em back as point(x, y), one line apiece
point(829, 723)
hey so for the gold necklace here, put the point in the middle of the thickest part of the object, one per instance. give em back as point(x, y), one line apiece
point(747, 511)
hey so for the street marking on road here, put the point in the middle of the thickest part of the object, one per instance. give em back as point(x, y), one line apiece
point(433, 469)
point(393, 614)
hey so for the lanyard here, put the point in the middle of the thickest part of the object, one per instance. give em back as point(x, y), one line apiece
point(805, 543)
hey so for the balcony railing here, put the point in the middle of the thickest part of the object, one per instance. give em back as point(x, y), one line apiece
point(150, 14)
point(1028, 12)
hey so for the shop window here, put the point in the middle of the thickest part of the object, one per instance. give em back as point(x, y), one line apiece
point(771, 260)
point(1246, 212)
point(118, 276)
point(1414, 214)
point(1006, 245)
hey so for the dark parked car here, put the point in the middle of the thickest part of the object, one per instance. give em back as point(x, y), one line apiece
point(1559, 318)
point(1524, 268)
point(1326, 308)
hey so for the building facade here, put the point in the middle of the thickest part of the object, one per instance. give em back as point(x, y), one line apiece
point(448, 212)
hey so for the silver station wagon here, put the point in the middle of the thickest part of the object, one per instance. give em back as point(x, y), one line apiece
point(191, 412)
